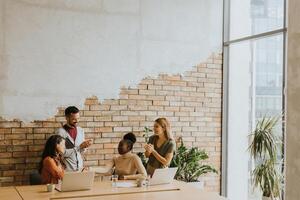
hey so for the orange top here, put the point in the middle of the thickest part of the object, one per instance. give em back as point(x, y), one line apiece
point(51, 171)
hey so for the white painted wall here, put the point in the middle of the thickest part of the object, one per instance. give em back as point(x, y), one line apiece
point(58, 52)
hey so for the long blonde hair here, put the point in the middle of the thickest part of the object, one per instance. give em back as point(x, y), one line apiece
point(164, 123)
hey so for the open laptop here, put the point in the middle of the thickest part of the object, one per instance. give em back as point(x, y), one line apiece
point(163, 176)
point(76, 181)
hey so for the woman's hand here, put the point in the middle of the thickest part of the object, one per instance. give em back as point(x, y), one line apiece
point(149, 148)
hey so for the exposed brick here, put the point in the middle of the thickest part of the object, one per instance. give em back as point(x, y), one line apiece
point(156, 108)
point(131, 91)
point(136, 118)
point(122, 129)
point(35, 147)
point(161, 103)
point(148, 113)
point(178, 83)
point(115, 107)
point(142, 86)
point(147, 92)
point(171, 88)
point(131, 123)
point(5, 142)
point(137, 97)
point(92, 113)
point(91, 102)
point(103, 129)
point(154, 87)
point(147, 81)
point(128, 102)
point(129, 113)
point(5, 155)
point(113, 123)
point(103, 118)
point(120, 118)
point(10, 124)
point(44, 130)
point(111, 102)
point(164, 93)
point(112, 135)
point(101, 140)
point(22, 142)
point(99, 107)
point(123, 96)
point(138, 107)
point(15, 136)
point(114, 112)
point(6, 180)
point(4, 161)
point(95, 124)
point(5, 130)
point(192, 103)
point(156, 98)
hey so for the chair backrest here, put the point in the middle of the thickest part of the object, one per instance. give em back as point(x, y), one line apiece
point(35, 179)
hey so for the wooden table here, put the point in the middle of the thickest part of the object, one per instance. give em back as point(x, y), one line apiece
point(104, 191)
point(9, 193)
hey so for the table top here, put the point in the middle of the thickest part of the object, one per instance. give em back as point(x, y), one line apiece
point(9, 193)
point(104, 191)
point(164, 195)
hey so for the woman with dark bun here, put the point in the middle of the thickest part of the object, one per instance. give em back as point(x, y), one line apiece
point(127, 165)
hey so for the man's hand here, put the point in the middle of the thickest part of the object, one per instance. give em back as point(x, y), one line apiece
point(85, 169)
point(85, 144)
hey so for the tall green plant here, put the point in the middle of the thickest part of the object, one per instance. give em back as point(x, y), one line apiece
point(146, 134)
point(263, 149)
point(189, 163)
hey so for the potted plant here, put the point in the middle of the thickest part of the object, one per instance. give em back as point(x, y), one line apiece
point(190, 165)
point(263, 149)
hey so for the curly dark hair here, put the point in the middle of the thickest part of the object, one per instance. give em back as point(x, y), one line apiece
point(130, 139)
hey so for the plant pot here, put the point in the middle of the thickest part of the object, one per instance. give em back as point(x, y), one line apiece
point(198, 185)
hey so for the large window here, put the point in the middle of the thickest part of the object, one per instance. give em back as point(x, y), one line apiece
point(254, 43)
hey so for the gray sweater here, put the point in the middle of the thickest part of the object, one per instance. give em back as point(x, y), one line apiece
point(72, 156)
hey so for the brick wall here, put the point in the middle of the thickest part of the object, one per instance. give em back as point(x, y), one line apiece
point(191, 102)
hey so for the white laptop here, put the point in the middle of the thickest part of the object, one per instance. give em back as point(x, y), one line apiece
point(76, 181)
point(163, 176)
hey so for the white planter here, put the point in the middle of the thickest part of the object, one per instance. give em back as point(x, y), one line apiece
point(199, 185)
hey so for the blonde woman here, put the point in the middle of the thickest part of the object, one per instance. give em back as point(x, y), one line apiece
point(160, 147)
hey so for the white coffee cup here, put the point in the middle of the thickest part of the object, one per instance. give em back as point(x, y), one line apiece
point(50, 187)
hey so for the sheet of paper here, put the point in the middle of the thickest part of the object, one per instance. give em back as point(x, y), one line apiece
point(126, 184)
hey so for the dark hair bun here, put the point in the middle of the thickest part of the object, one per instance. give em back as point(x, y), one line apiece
point(130, 136)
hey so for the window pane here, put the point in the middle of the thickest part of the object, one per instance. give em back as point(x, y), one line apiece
point(255, 90)
point(250, 17)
